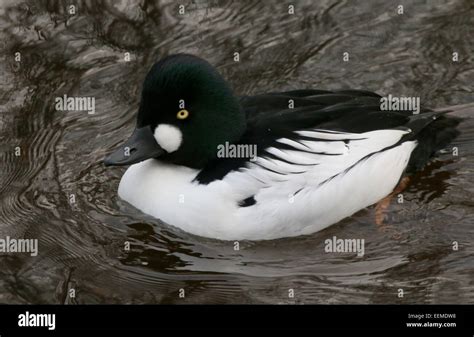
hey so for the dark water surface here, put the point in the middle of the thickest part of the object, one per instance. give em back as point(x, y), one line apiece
point(81, 243)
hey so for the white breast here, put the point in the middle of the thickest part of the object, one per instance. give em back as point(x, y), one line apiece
point(167, 192)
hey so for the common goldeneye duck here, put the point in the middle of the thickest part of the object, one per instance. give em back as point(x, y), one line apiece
point(318, 156)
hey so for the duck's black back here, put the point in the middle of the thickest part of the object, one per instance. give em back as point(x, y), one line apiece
point(354, 111)
point(277, 115)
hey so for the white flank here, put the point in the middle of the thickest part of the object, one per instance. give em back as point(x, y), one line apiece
point(329, 178)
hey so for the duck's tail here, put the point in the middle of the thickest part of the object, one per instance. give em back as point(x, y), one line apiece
point(433, 132)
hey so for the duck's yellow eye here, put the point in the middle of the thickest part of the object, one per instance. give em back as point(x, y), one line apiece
point(182, 114)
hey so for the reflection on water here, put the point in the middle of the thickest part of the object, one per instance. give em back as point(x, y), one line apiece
point(57, 190)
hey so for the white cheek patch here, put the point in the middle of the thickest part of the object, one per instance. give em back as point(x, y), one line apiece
point(169, 137)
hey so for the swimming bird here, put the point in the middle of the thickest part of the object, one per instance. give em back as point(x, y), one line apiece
point(319, 156)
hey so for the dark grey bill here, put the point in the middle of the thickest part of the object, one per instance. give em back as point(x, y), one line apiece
point(140, 146)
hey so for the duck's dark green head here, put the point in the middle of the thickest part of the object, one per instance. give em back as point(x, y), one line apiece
point(187, 110)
